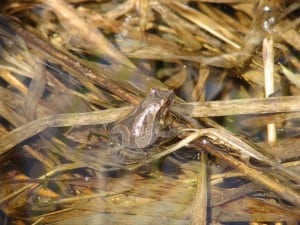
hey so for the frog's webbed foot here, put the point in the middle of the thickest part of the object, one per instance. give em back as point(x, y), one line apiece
point(127, 156)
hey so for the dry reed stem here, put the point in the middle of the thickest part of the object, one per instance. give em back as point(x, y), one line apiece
point(12, 80)
point(283, 190)
point(268, 58)
point(69, 18)
point(240, 106)
point(75, 66)
point(200, 202)
point(202, 21)
point(77, 119)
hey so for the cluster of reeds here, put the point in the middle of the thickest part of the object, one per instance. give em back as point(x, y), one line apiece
point(69, 68)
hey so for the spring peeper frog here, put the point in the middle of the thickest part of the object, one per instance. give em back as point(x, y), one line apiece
point(135, 133)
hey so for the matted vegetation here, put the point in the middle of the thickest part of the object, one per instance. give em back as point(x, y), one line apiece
point(68, 69)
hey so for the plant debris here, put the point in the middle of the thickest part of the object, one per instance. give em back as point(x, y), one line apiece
point(69, 68)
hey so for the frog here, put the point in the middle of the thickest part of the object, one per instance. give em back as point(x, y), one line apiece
point(133, 135)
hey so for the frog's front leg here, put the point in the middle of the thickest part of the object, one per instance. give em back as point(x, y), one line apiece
point(120, 134)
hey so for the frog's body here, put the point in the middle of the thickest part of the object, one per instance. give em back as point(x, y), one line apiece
point(142, 127)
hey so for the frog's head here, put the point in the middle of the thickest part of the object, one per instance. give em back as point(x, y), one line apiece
point(162, 98)
point(159, 99)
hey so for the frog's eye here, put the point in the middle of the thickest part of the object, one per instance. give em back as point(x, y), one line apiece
point(153, 91)
point(168, 102)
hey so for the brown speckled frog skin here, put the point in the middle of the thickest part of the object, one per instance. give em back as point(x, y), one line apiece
point(142, 127)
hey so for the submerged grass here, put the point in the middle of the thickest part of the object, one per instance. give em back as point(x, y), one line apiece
point(65, 66)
